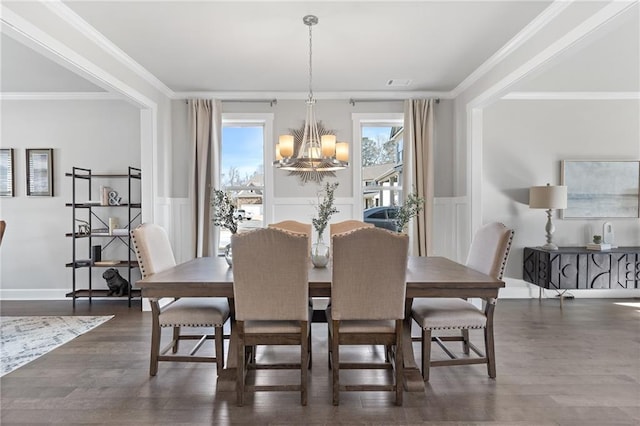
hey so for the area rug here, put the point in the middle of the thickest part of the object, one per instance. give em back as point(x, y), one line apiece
point(23, 339)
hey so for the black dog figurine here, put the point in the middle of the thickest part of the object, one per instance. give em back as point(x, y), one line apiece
point(118, 286)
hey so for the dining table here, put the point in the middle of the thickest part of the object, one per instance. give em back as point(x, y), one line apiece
point(429, 276)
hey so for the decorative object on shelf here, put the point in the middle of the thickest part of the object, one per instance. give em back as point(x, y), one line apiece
point(316, 155)
point(597, 239)
point(408, 210)
point(550, 198)
point(83, 228)
point(325, 208)
point(104, 195)
point(6, 172)
point(114, 223)
point(118, 286)
point(114, 198)
point(40, 172)
point(96, 254)
point(599, 246)
point(601, 189)
point(607, 233)
point(224, 216)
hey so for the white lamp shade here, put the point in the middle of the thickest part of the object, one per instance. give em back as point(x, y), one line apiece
point(342, 151)
point(286, 145)
point(328, 143)
point(548, 197)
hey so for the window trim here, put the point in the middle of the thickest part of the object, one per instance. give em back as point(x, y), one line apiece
point(358, 120)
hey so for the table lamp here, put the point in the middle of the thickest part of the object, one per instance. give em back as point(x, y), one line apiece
point(550, 198)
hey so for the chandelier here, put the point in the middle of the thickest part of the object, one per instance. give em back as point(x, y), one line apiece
point(316, 154)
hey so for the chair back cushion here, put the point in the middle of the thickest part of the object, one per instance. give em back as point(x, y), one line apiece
point(347, 225)
point(294, 226)
point(153, 249)
point(490, 249)
point(270, 275)
point(369, 275)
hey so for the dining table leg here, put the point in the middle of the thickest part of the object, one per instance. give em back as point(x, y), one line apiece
point(413, 381)
point(227, 376)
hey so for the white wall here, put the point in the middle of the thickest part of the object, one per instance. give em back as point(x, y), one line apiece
point(99, 135)
point(523, 144)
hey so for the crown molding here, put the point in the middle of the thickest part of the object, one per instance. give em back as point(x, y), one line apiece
point(16, 26)
point(542, 20)
point(588, 26)
point(60, 96)
point(357, 96)
point(571, 96)
point(73, 19)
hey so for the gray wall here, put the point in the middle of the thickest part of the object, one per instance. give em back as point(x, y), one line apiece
point(99, 135)
point(334, 115)
point(523, 144)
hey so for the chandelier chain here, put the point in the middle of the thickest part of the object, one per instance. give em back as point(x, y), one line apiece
point(310, 63)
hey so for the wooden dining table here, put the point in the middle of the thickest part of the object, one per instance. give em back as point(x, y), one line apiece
point(426, 277)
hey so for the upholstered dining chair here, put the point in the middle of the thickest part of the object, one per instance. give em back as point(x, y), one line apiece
point(488, 254)
point(3, 226)
point(368, 291)
point(347, 225)
point(154, 254)
point(271, 292)
point(294, 226)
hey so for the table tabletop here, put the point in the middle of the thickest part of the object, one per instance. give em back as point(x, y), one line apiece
point(426, 277)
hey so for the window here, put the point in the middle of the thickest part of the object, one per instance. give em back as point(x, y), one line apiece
point(381, 138)
point(242, 171)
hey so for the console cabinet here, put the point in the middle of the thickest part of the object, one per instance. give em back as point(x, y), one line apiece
point(578, 268)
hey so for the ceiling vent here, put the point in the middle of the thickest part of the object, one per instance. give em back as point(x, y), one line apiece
point(399, 82)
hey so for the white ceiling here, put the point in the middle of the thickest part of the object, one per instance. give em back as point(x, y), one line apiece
point(214, 46)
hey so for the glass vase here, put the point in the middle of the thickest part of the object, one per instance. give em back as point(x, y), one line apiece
point(228, 254)
point(319, 253)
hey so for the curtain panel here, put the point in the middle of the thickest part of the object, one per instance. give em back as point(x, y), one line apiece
point(205, 134)
point(418, 170)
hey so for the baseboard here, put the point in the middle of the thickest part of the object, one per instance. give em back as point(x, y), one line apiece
point(33, 294)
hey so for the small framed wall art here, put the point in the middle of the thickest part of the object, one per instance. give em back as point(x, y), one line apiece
point(601, 189)
point(40, 172)
point(6, 172)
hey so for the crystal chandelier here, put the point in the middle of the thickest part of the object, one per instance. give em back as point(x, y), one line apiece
point(316, 154)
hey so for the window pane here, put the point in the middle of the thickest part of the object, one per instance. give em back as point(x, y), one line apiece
point(242, 174)
point(382, 146)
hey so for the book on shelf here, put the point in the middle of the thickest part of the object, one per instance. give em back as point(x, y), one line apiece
point(120, 232)
point(106, 263)
point(602, 246)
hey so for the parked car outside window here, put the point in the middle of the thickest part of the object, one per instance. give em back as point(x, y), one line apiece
point(241, 214)
point(382, 217)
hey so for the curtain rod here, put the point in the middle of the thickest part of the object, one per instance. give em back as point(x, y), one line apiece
point(353, 101)
point(271, 102)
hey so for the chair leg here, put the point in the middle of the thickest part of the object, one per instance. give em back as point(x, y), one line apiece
point(399, 362)
point(335, 362)
point(176, 339)
point(426, 353)
point(304, 361)
point(309, 350)
point(465, 341)
point(155, 349)
point(219, 341)
point(490, 351)
point(240, 366)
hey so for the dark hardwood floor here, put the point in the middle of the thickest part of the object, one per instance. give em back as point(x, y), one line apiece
point(575, 366)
